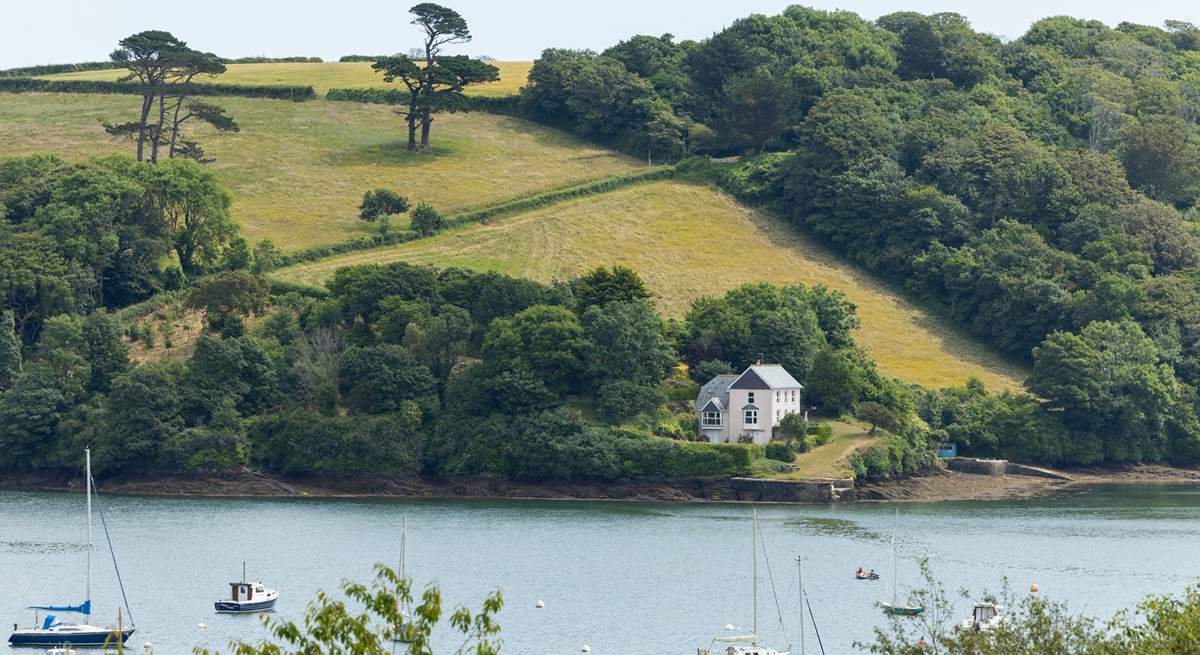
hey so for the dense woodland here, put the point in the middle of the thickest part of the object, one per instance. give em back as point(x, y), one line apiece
point(1041, 192)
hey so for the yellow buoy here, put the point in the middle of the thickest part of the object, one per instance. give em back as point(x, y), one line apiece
point(1033, 589)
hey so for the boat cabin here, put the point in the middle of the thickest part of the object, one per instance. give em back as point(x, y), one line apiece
point(244, 591)
point(984, 612)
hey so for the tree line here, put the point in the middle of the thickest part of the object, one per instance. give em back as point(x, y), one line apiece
point(1041, 193)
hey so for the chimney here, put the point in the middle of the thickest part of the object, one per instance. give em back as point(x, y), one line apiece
point(760, 357)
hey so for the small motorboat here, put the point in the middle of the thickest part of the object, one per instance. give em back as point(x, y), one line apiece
point(247, 597)
point(900, 609)
point(984, 616)
point(862, 574)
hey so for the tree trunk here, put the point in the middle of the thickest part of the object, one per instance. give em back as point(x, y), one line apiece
point(426, 121)
point(412, 132)
point(147, 105)
point(175, 128)
point(156, 139)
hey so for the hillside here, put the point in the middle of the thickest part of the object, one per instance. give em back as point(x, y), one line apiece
point(323, 77)
point(297, 170)
point(688, 241)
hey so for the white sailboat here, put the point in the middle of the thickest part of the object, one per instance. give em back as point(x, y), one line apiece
point(746, 644)
point(895, 607)
point(52, 632)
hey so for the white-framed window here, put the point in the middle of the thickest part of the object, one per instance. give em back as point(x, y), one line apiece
point(711, 419)
point(751, 417)
point(777, 396)
point(750, 397)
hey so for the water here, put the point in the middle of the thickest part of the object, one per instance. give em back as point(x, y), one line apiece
point(628, 578)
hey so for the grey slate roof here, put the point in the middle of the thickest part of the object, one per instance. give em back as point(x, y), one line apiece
point(718, 389)
point(773, 376)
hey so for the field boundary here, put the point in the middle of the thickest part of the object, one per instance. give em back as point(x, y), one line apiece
point(270, 91)
point(517, 205)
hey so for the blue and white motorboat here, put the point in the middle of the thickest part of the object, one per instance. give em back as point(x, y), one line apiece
point(247, 597)
point(48, 630)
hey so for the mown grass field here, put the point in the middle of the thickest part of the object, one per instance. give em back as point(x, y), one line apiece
point(297, 170)
point(830, 460)
point(689, 241)
point(323, 77)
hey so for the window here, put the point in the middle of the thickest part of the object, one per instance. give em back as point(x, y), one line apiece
point(751, 417)
point(776, 396)
point(711, 419)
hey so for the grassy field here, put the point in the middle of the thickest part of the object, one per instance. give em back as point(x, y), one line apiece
point(323, 77)
point(297, 170)
point(829, 461)
point(688, 241)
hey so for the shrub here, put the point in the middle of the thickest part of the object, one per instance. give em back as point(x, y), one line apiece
point(782, 451)
point(276, 92)
point(622, 399)
point(426, 220)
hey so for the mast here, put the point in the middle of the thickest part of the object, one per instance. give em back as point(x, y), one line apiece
point(87, 456)
point(403, 539)
point(895, 566)
point(754, 553)
point(800, 570)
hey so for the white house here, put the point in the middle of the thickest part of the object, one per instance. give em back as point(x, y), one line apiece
point(750, 403)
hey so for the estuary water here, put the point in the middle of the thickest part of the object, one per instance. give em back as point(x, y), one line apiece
point(623, 578)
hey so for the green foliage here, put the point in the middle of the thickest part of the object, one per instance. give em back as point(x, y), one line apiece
point(302, 443)
point(10, 351)
point(619, 400)
point(625, 343)
point(894, 457)
point(601, 286)
point(877, 416)
point(708, 369)
point(782, 451)
point(426, 220)
point(545, 340)
point(271, 91)
point(380, 379)
point(379, 203)
point(227, 297)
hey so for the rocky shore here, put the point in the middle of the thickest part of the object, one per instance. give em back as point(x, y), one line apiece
point(936, 485)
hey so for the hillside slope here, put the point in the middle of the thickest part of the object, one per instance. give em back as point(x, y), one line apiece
point(297, 170)
point(689, 241)
point(323, 77)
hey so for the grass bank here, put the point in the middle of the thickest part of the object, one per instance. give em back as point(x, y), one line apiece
point(297, 171)
point(688, 241)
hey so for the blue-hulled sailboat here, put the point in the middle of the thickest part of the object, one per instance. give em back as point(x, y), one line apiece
point(49, 631)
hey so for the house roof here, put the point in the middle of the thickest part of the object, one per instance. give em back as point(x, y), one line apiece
point(713, 405)
point(716, 389)
point(766, 376)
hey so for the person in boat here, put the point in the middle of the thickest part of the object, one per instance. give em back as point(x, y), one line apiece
point(860, 572)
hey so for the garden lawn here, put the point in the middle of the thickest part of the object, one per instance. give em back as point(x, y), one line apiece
point(689, 241)
point(297, 170)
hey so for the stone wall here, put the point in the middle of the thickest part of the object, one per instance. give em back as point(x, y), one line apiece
point(817, 490)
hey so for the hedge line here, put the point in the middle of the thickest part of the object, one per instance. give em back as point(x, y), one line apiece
point(273, 60)
point(276, 92)
point(317, 253)
point(54, 69)
point(507, 105)
point(349, 58)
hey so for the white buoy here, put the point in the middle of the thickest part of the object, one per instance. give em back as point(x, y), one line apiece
point(202, 626)
point(729, 626)
point(148, 647)
point(539, 604)
point(586, 649)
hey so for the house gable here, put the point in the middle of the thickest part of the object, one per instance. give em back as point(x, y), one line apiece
point(713, 405)
point(750, 380)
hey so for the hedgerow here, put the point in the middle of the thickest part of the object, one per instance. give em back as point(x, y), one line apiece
point(275, 92)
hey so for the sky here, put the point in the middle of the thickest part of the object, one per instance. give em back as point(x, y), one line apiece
point(60, 31)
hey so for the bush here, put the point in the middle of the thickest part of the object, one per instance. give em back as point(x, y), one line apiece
point(426, 220)
point(622, 399)
point(302, 443)
point(783, 451)
point(894, 457)
point(54, 69)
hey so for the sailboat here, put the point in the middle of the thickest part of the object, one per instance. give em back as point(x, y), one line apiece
point(52, 632)
point(747, 644)
point(404, 632)
point(895, 607)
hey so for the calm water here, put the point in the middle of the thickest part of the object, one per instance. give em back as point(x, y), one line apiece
point(626, 578)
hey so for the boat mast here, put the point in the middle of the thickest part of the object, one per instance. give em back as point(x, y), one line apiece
point(800, 571)
point(403, 539)
point(895, 566)
point(754, 553)
point(87, 456)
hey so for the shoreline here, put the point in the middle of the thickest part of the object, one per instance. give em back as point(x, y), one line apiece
point(934, 486)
